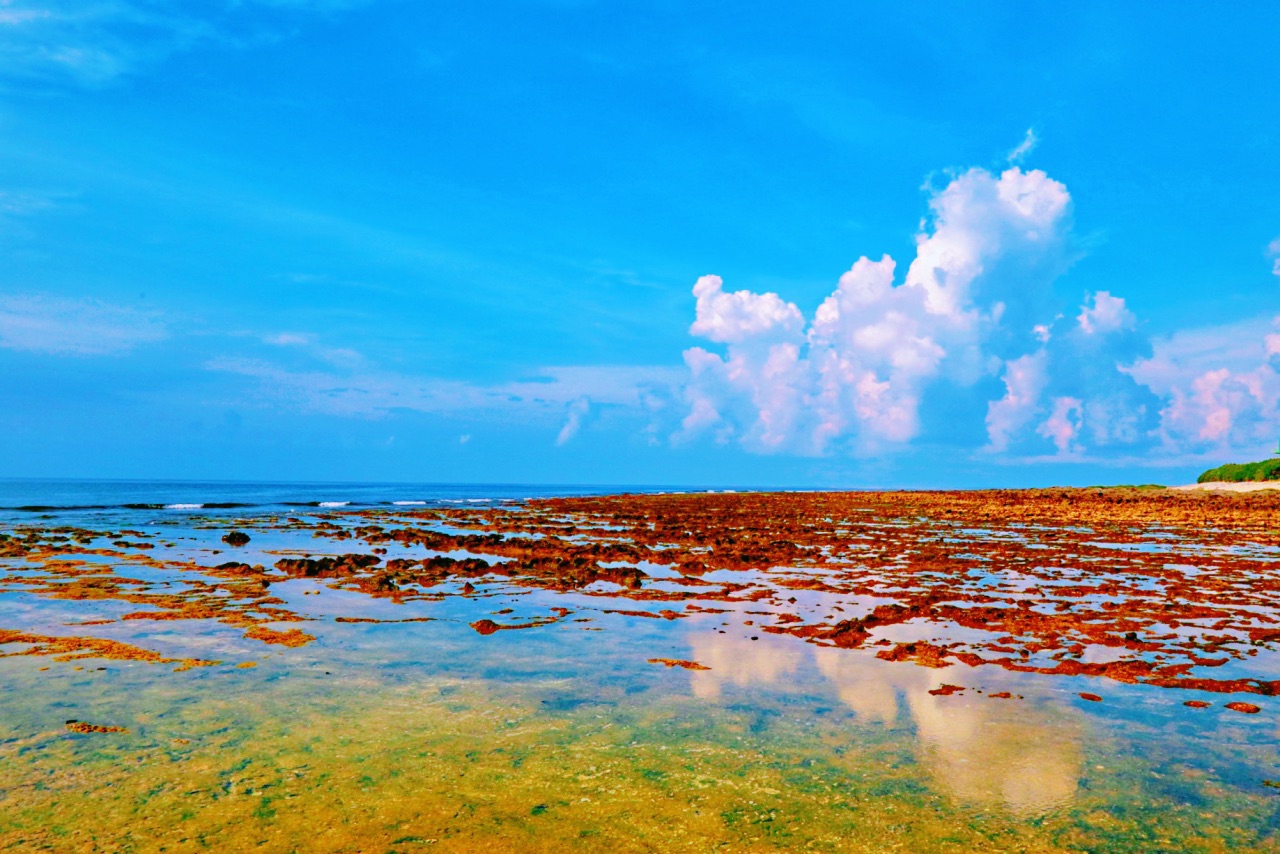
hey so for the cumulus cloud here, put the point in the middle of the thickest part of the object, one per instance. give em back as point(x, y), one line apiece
point(1076, 387)
point(975, 313)
point(1087, 395)
point(1063, 424)
point(763, 373)
point(975, 322)
point(1107, 314)
point(1274, 251)
point(45, 324)
point(1024, 382)
point(742, 315)
point(857, 371)
point(1218, 388)
point(1224, 409)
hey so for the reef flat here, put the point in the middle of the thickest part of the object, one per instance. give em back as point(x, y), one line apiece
point(1034, 670)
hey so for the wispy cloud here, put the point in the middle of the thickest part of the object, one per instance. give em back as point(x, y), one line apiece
point(23, 203)
point(566, 395)
point(1022, 149)
point(288, 339)
point(578, 411)
point(67, 327)
point(93, 42)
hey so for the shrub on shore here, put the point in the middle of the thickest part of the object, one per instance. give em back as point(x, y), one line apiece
point(1242, 472)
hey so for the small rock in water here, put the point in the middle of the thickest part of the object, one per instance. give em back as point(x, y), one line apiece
point(235, 538)
point(679, 662)
point(1246, 708)
point(82, 727)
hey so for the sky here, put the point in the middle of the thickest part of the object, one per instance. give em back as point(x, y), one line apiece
point(564, 241)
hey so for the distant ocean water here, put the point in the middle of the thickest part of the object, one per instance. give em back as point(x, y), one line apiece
point(22, 498)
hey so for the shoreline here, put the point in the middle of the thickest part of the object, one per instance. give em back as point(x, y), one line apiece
point(1227, 486)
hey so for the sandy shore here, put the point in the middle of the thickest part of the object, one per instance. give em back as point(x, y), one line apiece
point(1249, 486)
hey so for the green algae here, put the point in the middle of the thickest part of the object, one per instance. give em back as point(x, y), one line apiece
point(284, 760)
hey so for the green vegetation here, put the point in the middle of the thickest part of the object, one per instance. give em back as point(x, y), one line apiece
point(1242, 472)
point(1129, 486)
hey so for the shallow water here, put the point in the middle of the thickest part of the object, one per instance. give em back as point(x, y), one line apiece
point(440, 732)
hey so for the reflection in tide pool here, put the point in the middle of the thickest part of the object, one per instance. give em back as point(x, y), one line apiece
point(741, 662)
point(1022, 755)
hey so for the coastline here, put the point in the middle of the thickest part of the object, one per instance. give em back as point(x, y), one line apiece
point(1224, 486)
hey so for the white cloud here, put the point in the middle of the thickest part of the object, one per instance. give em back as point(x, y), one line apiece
point(1222, 408)
point(1107, 314)
point(84, 327)
point(578, 410)
point(741, 315)
point(1019, 153)
point(1188, 353)
point(1219, 387)
point(976, 304)
point(1063, 424)
point(1274, 251)
point(1024, 382)
point(860, 369)
point(1077, 388)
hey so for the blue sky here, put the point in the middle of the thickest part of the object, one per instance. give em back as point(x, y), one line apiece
point(388, 240)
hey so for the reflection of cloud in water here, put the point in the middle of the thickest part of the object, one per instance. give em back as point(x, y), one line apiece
point(1016, 753)
point(740, 661)
point(1022, 755)
point(864, 684)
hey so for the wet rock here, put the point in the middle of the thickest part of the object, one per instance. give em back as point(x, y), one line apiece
point(290, 638)
point(82, 727)
point(488, 627)
point(327, 567)
point(922, 653)
point(235, 538)
point(1244, 708)
point(679, 662)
